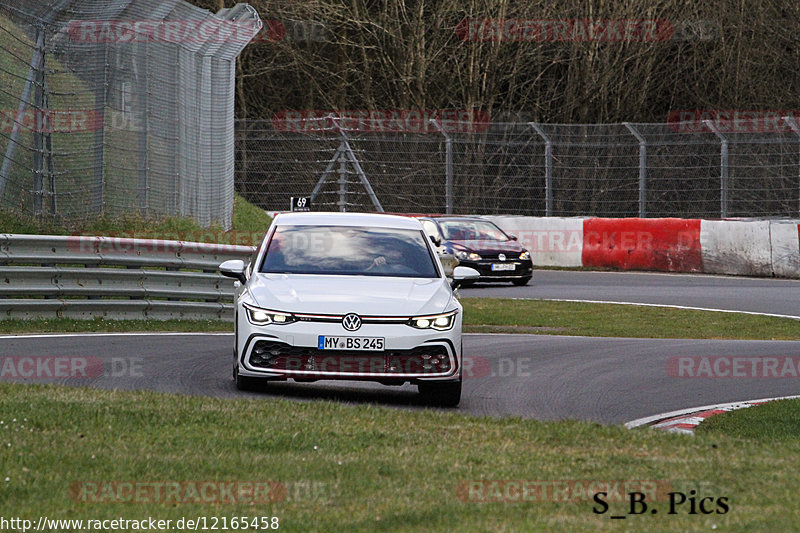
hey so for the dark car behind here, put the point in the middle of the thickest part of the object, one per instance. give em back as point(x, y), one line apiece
point(478, 243)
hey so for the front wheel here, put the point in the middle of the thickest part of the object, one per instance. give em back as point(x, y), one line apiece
point(521, 282)
point(243, 382)
point(442, 394)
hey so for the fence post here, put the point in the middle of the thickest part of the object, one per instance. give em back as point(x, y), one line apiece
point(448, 168)
point(792, 123)
point(548, 169)
point(37, 65)
point(642, 168)
point(723, 171)
point(40, 130)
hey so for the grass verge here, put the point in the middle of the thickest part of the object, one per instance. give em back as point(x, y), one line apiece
point(778, 420)
point(249, 225)
point(491, 315)
point(67, 452)
point(614, 320)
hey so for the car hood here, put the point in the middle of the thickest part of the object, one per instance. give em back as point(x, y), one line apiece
point(337, 295)
point(488, 247)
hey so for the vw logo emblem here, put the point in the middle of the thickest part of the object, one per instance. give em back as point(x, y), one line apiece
point(351, 322)
point(502, 257)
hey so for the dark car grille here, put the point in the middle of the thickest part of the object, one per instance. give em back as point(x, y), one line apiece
point(419, 361)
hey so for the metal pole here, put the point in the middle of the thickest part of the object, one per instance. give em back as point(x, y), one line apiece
point(37, 62)
point(548, 169)
point(141, 67)
point(723, 173)
point(342, 182)
point(792, 123)
point(642, 169)
point(100, 101)
point(40, 126)
point(448, 167)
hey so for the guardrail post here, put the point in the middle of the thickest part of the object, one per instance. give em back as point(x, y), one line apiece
point(723, 170)
point(548, 169)
point(642, 168)
point(792, 123)
point(448, 168)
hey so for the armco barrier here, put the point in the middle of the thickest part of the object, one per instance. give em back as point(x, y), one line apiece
point(85, 277)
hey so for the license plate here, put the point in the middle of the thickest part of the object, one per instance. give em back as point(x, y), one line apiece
point(502, 266)
point(362, 344)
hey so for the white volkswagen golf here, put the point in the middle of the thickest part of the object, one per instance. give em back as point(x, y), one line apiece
point(347, 296)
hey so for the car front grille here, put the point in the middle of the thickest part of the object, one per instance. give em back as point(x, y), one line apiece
point(311, 362)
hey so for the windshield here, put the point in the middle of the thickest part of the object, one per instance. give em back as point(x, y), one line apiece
point(471, 230)
point(347, 250)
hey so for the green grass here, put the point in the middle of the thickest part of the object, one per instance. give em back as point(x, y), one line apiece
point(492, 315)
point(368, 468)
point(778, 420)
point(615, 320)
point(249, 225)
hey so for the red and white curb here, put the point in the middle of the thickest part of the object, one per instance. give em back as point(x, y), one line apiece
point(685, 420)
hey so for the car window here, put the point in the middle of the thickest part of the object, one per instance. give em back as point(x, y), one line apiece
point(346, 250)
point(471, 230)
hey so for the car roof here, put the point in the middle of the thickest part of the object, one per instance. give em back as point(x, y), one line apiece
point(465, 218)
point(374, 220)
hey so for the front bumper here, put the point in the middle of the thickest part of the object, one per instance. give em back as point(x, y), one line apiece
point(292, 351)
point(522, 269)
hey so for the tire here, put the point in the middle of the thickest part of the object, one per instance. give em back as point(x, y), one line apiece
point(521, 282)
point(245, 383)
point(444, 394)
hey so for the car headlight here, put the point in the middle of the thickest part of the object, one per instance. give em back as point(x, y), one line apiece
point(472, 256)
point(525, 256)
point(441, 322)
point(264, 317)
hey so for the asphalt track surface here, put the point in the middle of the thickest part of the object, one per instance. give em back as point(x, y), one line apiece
point(606, 380)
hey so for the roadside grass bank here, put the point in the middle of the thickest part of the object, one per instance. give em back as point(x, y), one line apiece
point(248, 227)
point(80, 453)
point(777, 420)
point(493, 315)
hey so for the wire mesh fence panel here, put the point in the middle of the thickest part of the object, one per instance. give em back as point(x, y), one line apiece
point(120, 106)
point(610, 170)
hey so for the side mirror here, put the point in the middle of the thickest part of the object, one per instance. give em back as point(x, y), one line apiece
point(512, 237)
point(233, 269)
point(462, 274)
point(437, 242)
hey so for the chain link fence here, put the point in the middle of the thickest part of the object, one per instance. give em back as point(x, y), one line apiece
point(111, 107)
point(696, 169)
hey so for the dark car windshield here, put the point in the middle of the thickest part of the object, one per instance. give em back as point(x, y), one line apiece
point(347, 250)
point(471, 230)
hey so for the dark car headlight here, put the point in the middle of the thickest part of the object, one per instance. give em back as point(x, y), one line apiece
point(525, 256)
point(471, 256)
point(264, 317)
point(441, 322)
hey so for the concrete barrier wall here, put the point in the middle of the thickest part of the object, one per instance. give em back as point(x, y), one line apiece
point(785, 247)
point(737, 247)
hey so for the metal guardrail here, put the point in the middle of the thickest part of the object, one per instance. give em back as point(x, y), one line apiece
point(114, 278)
